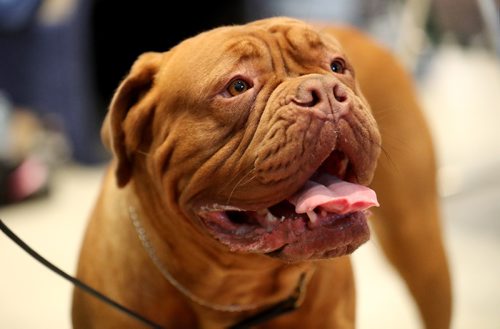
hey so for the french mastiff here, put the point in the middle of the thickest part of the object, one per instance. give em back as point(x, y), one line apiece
point(242, 160)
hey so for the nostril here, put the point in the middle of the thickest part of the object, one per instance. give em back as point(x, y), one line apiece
point(308, 97)
point(339, 94)
point(315, 98)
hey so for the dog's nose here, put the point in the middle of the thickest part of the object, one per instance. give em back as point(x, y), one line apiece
point(325, 95)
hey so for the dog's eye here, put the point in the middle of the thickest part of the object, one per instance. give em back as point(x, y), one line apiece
point(338, 66)
point(237, 86)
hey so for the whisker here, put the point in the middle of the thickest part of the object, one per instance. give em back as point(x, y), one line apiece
point(388, 157)
point(382, 114)
point(251, 179)
point(393, 144)
point(142, 152)
point(239, 183)
point(384, 152)
point(230, 181)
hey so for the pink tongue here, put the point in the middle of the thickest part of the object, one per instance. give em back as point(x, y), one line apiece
point(333, 195)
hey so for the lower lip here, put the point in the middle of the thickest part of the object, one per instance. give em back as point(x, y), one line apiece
point(339, 238)
point(293, 240)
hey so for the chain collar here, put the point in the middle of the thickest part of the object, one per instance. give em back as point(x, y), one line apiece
point(151, 251)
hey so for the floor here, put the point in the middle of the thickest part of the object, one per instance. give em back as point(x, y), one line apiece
point(465, 125)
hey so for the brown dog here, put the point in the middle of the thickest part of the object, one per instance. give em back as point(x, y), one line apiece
point(241, 158)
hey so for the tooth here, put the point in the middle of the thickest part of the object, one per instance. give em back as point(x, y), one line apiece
point(323, 213)
point(313, 217)
point(270, 217)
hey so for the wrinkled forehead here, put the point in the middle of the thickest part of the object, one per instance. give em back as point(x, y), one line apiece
point(255, 40)
point(297, 33)
point(216, 52)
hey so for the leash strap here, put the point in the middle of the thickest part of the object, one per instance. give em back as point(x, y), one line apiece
point(73, 280)
point(283, 307)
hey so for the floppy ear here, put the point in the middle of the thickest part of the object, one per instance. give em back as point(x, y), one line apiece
point(131, 110)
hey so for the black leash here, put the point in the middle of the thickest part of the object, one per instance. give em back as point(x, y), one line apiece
point(73, 280)
point(286, 306)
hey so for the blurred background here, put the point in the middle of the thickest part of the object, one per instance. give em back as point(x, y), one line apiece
point(60, 61)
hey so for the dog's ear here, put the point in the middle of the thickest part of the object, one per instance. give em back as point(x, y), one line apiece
point(131, 110)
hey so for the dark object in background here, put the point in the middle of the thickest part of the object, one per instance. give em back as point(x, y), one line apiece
point(23, 181)
point(44, 67)
point(17, 15)
point(122, 30)
point(469, 22)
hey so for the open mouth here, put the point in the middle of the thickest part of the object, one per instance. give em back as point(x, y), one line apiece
point(325, 218)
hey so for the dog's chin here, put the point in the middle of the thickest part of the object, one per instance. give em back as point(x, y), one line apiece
point(279, 231)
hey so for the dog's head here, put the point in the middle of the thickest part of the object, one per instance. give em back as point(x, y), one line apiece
point(259, 135)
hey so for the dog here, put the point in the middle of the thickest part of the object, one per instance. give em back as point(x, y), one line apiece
point(246, 162)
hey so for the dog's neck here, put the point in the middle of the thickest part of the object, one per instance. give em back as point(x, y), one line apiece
point(230, 282)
